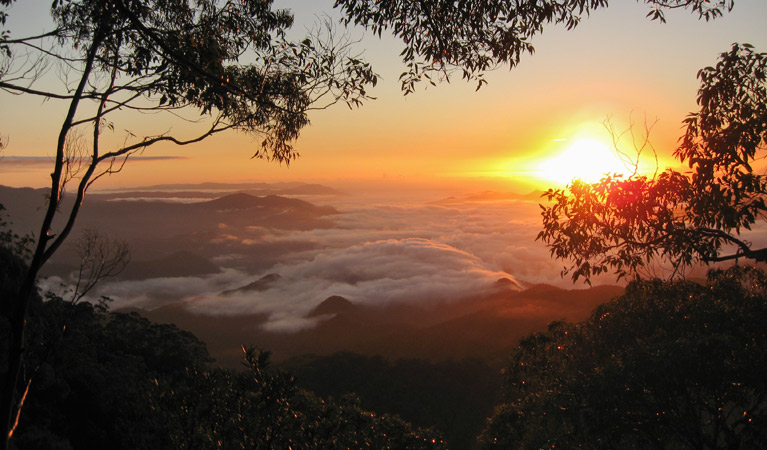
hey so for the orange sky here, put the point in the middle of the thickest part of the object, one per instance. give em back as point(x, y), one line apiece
point(615, 63)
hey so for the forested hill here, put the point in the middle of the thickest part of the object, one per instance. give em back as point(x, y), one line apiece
point(485, 326)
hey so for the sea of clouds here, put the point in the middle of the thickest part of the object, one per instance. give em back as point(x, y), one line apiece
point(377, 252)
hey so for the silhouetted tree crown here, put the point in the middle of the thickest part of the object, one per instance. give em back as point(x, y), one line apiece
point(669, 365)
point(230, 64)
point(470, 37)
point(226, 65)
point(118, 381)
point(624, 223)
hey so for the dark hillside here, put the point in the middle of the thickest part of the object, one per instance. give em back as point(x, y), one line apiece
point(456, 397)
point(486, 326)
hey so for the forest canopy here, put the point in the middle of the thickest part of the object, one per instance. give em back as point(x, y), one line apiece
point(668, 365)
point(100, 379)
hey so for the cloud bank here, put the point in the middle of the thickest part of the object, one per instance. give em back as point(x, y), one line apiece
point(376, 253)
point(412, 270)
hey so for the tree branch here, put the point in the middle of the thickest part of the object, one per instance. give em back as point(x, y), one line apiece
point(24, 40)
point(14, 89)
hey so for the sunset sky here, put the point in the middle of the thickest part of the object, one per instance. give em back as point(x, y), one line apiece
point(419, 251)
point(616, 63)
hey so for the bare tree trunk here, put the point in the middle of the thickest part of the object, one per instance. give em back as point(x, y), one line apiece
point(9, 409)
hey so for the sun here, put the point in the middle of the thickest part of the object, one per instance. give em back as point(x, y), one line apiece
point(586, 159)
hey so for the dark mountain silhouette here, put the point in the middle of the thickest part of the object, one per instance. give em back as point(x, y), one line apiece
point(218, 189)
point(159, 195)
point(156, 229)
point(548, 294)
point(23, 207)
point(259, 285)
point(272, 203)
point(241, 201)
point(505, 283)
point(332, 305)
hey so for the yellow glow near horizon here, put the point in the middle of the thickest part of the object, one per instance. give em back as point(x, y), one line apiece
point(586, 159)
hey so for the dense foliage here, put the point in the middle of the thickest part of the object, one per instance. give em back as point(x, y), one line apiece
point(93, 379)
point(455, 397)
point(110, 380)
point(227, 60)
point(625, 223)
point(223, 65)
point(669, 365)
point(97, 380)
point(473, 36)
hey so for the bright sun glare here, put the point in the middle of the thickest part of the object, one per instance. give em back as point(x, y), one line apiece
point(586, 159)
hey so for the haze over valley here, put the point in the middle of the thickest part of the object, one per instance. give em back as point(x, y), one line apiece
point(299, 268)
point(348, 224)
point(349, 288)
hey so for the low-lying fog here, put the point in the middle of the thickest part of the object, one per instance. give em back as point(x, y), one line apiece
point(244, 254)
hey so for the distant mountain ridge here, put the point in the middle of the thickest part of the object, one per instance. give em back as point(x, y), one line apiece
point(489, 196)
point(334, 304)
point(25, 205)
point(259, 285)
point(157, 230)
point(241, 201)
point(218, 189)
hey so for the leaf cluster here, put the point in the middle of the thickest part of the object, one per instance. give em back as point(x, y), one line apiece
point(473, 36)
point(725, 138)
point(4, 34)
point(623, 224)
point(706, 9)
point(11, 241)
point(229, 60)
point(669, 365)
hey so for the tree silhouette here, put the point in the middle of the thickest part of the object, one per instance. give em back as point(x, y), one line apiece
point(444, 37)
point(119, 381)
point(229, 63)
point(225, 64)
point(624, 223)
point(669, 365)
